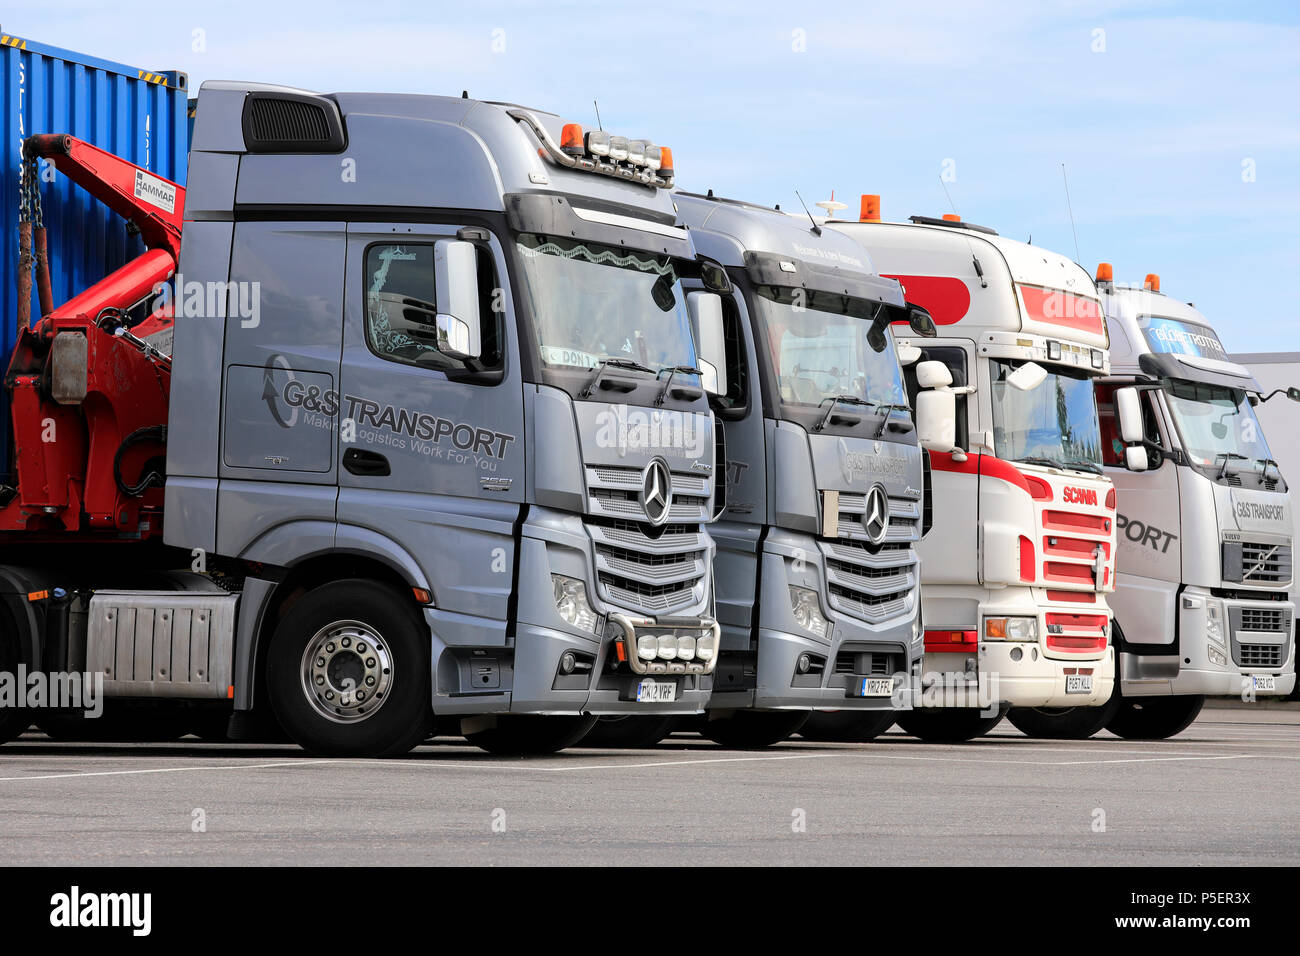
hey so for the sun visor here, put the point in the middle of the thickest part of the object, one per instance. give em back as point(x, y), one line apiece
point(789, 272)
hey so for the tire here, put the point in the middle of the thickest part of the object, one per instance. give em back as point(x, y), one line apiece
point(1063, 723)
point(1154, 718)
point(13, 720)
point(947, 725)
point(348, 671)
point(636, 732)
point(848, 726)
point(532, 735)
point(748, 729)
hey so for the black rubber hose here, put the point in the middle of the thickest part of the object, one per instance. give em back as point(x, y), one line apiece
point(156, 433)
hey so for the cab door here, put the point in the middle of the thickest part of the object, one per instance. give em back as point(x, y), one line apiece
point(431, 450)
point(1148, 568)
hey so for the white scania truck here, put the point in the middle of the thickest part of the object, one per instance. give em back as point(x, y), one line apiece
point(1203, 603)
point(1015, 574)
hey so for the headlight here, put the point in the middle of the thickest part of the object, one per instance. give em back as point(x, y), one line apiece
point(807, 611)
point(1011, 628)
point(704, 647)
point(572, 604)
point(1218, 657)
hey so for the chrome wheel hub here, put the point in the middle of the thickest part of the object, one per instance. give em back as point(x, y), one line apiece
point(347, 670)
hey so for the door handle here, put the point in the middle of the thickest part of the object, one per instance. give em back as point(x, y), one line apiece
point(360, 462)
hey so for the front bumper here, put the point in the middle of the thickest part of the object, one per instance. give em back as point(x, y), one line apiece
point(1017, 674)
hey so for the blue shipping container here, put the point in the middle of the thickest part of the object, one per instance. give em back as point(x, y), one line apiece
point(136, 114)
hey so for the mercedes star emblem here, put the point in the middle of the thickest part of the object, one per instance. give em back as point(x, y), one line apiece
point(875, 517)
point(656, 491)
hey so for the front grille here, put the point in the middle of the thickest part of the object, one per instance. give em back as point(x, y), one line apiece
point(904, 518)
point(1263, 619)
point(872, 583)
point(1259, 655)
point(868, 663)
point(1265, 563)
point(640, 567)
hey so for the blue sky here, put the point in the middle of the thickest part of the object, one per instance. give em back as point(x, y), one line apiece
point(1178, 123)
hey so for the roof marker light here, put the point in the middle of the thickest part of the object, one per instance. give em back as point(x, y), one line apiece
point(1152, 282)
point(1105, 273)
point(951, 217)
point(571, 139)
point(870, 211)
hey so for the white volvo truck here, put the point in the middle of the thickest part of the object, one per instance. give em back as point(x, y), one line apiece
point(1015, 573)
point(1202, 603)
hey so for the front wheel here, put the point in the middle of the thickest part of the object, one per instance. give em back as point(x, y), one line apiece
point(947, 725)
point(848, 726)
point(348, 671)
point(1154, 718)
point(632, 731)
point(1063, 723)
point(531, 735)
point(746, 729)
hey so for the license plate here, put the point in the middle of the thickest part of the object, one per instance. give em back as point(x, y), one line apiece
point(656, 692)
point(1078, 683)
point(1265, 682)
point(876, 687)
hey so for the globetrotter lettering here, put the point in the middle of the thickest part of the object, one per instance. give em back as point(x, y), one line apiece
point(422, 426)
point(1080, 496)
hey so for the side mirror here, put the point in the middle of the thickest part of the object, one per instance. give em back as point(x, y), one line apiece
point(1135, 458)
point(936, 419)
point(1028, 377)
point(455, 280)
point(1293, 393)
point(921, 321)
point(1128, 409)
point(705, 309)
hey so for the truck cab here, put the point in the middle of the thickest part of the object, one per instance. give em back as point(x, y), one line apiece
point(1203, 603)
point(1015, 576)
point(436, 428)
point(824, 501)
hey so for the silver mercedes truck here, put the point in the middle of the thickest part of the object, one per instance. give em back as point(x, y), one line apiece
point(450, 459)
point(823, 487)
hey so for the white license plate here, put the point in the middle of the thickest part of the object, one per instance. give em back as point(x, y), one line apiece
point(655, 692)
point(1265, 682)
point(876, 687)
point(1078, 683)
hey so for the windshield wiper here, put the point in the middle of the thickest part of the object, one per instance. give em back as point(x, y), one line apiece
point(1228, 457)
point(835, 400)
point(608, 363)
point(673, 370)
point(1084, 465)
point(1041, 460)
point(885, 409)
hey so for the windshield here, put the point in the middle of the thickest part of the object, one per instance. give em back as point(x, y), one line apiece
point(819, 348)
point(593, 302)
point(1216, 422)
point(1053, 424)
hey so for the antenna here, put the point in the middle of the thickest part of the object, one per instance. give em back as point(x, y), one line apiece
point(816, 229)
point(1070, 207)
point(598, 123)
point(832, 206)
point(951, 204)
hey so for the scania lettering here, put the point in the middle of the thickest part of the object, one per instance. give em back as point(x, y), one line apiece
point(1014, 579)
point(389, 494)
